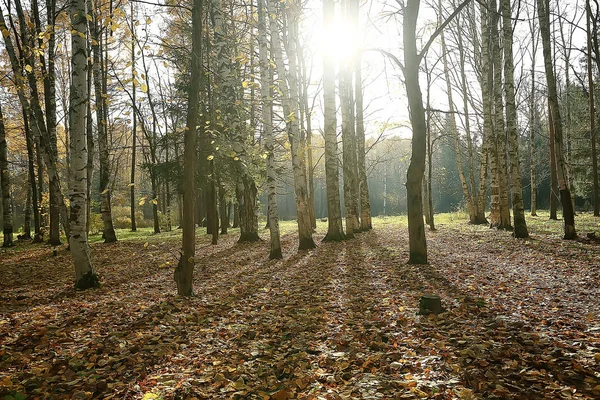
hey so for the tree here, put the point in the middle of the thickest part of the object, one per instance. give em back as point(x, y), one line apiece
point(335, 231)
point(85, 277)
point(288, 84)
point(561, 171)
point(520, 226)
point(7, 212)
point(99, 75)
point(416, 169)
point(184, 273)
point(267, 126)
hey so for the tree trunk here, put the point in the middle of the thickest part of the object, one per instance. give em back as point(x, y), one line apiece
point(561, 170)
point(32, 182)
point(335, 230)
point(132, 200)
point(90, 147)
point(532, 116)
point(476, 215)
point(471, 209)
point(595, 188)
point(349, 158)
point(108, 231)
point(414, 176)
point(553, 179)
point(499, 125)
point(520, 226)
point(184, 273)
point(85, 277)
point(290, 101)
point(37, 119)
point(267, 123)
point(224, 215)
point(7, 211)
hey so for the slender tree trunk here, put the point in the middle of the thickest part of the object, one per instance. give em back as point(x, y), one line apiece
point(349, 157)
point(37, 118)
point(488, 153)
point(85, 277)
point(595, 188)
point(184, 273)
point(132, 200)
point(108, 231)
point(224, 215)
point(561, 170)
point(365, 203)
point(32, 183)
point(267, 123)
point(471, 208)
point(90, 147)
point(27, 225)
point(532, 116)
point(290, 102)
point(520, 226)
point(476, 216)
point(335, 230)
point(553, 179)
point(500, 125)
point(7, 211)
point(414, 176)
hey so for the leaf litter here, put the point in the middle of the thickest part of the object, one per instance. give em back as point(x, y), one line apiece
point(338, 322)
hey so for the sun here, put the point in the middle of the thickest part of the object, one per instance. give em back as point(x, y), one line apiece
point(338, 41)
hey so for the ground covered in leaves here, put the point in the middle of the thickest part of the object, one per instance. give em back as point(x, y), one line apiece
point(338, 322)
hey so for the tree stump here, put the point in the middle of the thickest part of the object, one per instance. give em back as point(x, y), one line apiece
point(430, 304)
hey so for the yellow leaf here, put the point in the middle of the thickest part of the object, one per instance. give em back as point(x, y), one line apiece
point(154, 201)
point(131, 184)
point(5, 32)
point(105, 191)
point(88, 17)
point(146, 245)
point(166, 64)
point(81, 34)
point(6, 382)
point(191, 259)
point(144, 88)
point(245, 84)
point(28, 68)
point(209, 158)
point(150, 396)
point(142, 201)
point(148, 21)
point(236, 159)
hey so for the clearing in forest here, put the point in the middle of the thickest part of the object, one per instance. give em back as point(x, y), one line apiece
point(337, 322)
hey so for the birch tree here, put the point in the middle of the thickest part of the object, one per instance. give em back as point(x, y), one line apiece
point(267, 126)
point(335, 230)
point(520, 226)
point(561, 169)
point(85, 277)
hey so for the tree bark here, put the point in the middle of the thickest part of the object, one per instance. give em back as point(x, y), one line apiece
point(290, 101)
point(561, 170)
point(184, 273)
point(85, 277)
point(520, 226)
point(267, 124)
point(108, 231)
point(349, 157)
point(335, 230)
point(7, 211)
point(132, 200)
point(595, 188)
point(416, 169)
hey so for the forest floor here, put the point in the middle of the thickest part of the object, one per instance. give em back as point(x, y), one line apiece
point(522, 318)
